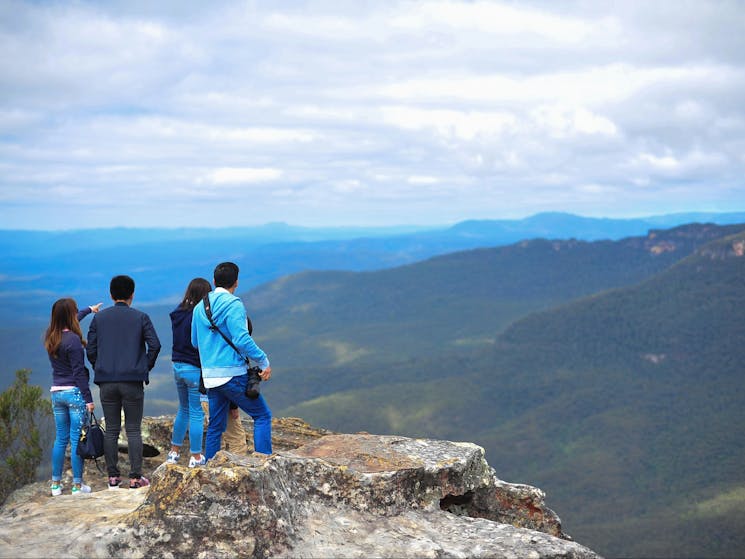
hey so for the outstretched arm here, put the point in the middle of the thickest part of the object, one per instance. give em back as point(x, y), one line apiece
point(92, 348)
point(82, 313)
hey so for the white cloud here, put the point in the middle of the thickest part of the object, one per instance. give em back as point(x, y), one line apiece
point(328, 27)
point(242, 175)
point(565, 122)
point(422, 179)
point(493, 18)
point(446, 122)
point(693, 163)
point(369, 112)
point(592, 85)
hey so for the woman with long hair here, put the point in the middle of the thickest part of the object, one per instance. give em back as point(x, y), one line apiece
point(71, 395)
point(186, 373)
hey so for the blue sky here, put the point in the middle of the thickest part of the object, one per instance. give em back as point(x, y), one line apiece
point(367, 113)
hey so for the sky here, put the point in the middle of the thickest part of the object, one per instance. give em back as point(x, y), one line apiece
point(379, 113)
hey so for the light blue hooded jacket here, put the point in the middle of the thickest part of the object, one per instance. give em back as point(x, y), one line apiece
point(218, 358)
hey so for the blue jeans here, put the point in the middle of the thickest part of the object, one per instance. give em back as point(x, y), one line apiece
point(235, 391)
point(69, 414)
point(190, 412)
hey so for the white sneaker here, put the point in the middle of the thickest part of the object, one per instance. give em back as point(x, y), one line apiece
point(56, 488)
point(173, 457)
point(82, 489)
point(193, 462)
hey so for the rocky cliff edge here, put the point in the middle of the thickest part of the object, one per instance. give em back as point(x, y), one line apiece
point(320, 495)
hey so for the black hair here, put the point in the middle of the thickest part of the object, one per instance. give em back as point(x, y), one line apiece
point(121, 288)
point(195, 292)
point(226, 274)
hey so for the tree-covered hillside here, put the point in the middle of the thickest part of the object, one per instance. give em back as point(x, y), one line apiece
point(626, 405)
point(637, 395)
point(447, 307)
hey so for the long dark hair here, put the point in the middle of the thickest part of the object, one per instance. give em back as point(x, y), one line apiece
point(64, 316)
point(195, 292)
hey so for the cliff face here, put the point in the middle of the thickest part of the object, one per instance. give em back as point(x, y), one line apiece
point(320, 495)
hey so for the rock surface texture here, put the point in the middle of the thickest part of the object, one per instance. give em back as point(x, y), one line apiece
point(332, 496)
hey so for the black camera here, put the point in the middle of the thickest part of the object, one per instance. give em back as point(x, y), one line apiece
point(252, 386)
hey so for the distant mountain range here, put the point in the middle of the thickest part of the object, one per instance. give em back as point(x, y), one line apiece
point(39, 266)
point(607, 371)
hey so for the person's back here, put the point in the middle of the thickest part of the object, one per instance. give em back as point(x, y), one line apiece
point(218, 358)
point(70, 392)
point(186, 375)
point(117, 347)
point(182, 351)
point(122, 348)
point(224, 353)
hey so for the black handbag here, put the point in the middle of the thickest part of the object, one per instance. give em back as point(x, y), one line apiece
point(90, 444)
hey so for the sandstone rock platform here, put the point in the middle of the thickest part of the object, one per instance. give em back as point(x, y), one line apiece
point(332, 495)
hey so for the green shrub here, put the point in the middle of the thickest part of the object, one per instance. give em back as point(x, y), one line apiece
point(22, 407)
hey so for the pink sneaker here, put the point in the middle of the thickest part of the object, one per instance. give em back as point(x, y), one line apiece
point(139, 482)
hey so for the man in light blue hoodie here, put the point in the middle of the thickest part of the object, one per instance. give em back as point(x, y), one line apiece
point(224, 367)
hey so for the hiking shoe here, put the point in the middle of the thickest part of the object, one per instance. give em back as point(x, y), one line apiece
point(82, 488)
point(139, 482)
point(173, 457)
point(114, 482)
point(193, 462)
point(56, 489)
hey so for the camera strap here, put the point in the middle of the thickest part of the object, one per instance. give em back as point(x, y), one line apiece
point(208, 312)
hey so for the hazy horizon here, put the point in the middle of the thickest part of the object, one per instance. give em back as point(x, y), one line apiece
point(402, 228)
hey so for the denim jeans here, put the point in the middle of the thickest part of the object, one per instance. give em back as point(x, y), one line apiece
point(190, 414)
point(69, 414)
point(130, 397)
point(235, 391)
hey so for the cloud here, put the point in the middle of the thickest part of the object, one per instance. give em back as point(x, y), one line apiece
point(242, 175)
point(419, 179)
point(334, 113)
point(446, 123)
point(493, 19)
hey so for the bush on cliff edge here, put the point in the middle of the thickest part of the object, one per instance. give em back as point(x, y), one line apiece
point(22, 408)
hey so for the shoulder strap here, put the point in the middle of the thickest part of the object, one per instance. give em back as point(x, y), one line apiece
point(208, 312)
point(213, 326)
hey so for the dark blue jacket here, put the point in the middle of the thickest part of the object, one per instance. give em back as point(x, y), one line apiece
point(183, 351)
point(122, 345)
point(68, 367)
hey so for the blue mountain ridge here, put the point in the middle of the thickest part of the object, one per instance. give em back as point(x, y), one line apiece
point(40, 266)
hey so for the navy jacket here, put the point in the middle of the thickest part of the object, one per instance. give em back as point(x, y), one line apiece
point(183, 351)
point(68, 368)
point(122, 345)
